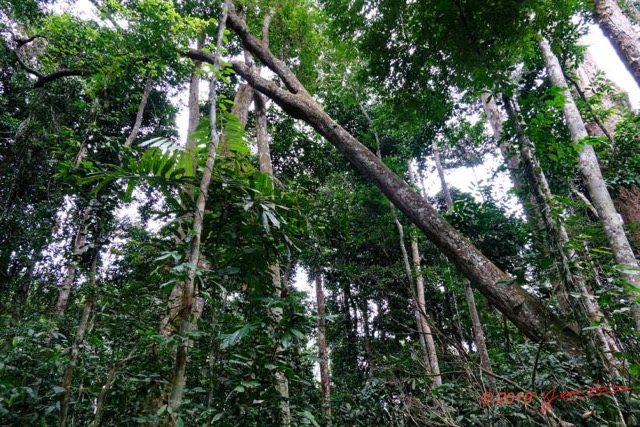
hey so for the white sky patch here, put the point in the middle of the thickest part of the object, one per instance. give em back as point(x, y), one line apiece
point(607, 60)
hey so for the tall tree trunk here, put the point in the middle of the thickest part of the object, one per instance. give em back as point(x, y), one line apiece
point(266, 167)
point(80, 240)
point(79, 247)
point(111, 378)
point(323, 354)
point(523, 309)
point(443, 181)
point(619, 30)
point(478, 333)
point(627, 200)
point(596, 186)
point(188, 295)
point(67, 378)
point(423, 320)
point(556, 235)
point(194, 111)
point(508, 152)
point(475, 320)
point(585, 311)
point(148, 85)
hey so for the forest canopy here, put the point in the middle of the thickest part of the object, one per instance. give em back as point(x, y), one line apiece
point(224, 214)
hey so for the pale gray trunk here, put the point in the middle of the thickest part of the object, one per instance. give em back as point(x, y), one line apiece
point(194, 111)
point(74, 352)
point(478, 333)
point(188, 295)
point(79, 247)
point(264, 154)
point(423, 319)
point(595, 184)
point(495, 120)
point(443, 181)
point(619, 30)
point(627, 200)
point(523, 309)
point(323, 354)
point(585, 310)
point(148, 85)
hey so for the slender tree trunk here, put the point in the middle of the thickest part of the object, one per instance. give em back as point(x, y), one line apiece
point(148, 85)
point(596, 186)
point(523, 309)
point(619, 30)
point(556, 235)
point(194, 111)
point(508, 152)
point(80, 241)
point(627, 200)
point(585, 311)
point(443, 180)
point(67, 378)
point(478, 333)
point(79, 247)
point(323, 354)
point(423, 320)
point(188, 296)
point(111, 378)
point(266, 167)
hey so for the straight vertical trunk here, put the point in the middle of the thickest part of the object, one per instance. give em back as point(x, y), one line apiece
point(266, 167)
point(596, 186)
point(67, 378)
point(194, 110)
point(188, 295)
point(423, 320)
point(619, 30)
point(495, 120)
point(478, 333)
point(323, 354)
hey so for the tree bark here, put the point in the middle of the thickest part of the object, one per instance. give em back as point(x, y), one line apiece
point(79, 247)
point(478, 333)
point(111, 378)
point(264, 154)
point(188, 295)
point(443, 181)
point(323, 354)
point(596, 186)
point(423, 320)
point(522, 308)
point(148, 85)
point(619, 30)
point(67, 378)
point(583, 311)
point(194, 111)
point(513, 161)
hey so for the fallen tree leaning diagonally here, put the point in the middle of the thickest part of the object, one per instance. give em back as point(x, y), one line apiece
point(527, 312)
